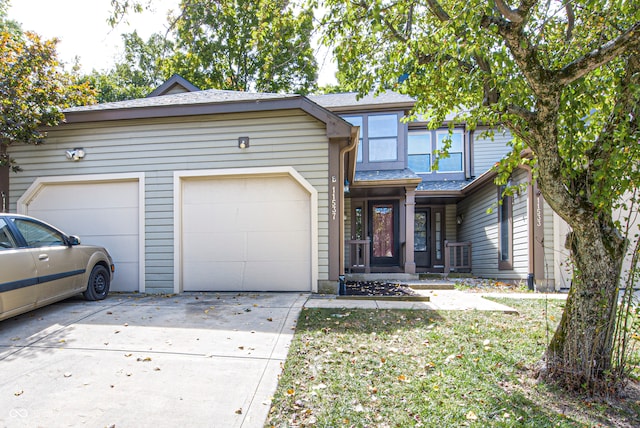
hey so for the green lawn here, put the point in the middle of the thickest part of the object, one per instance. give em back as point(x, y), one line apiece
point(379, 368)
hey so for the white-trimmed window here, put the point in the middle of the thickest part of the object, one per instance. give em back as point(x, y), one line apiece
point(419, 151)
point(382, 132)
point(379, 136)
point(455, 161)
point(505, 230)
point(423, 147)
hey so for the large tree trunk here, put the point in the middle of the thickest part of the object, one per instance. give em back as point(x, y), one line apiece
point(580, 354)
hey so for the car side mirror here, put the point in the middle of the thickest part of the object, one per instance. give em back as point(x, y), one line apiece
point(73, 240)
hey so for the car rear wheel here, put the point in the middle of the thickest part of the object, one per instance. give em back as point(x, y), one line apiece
point(98, 286)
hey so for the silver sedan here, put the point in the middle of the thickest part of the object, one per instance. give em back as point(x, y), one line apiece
point(40, 264)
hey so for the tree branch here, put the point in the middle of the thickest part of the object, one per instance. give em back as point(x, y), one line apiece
point(429, 59)
point(508, 13)
point(524, 53)
point(522, 113)
point(594, 59)
point(571, 19)
point(438, 11)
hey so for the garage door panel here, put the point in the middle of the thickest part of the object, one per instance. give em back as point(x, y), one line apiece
point(205, 247)
point(210, 218)
point(126, 247)
point(83, 195)
point(249, 233)
point(212, 276)
point(125, 277)
point(276, 276)
point(275, 216)
point(278, 246)
point(90, 223)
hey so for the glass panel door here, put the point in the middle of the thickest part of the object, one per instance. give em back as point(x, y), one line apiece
point(438, 236)
point(384, 233)
point(422, 238)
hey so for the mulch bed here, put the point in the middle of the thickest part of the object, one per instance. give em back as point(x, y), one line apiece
point(376, 288)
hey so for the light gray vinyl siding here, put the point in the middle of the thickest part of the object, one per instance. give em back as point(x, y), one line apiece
point(157, 147)
point(520, 229)
point(481, 229)
point(480, 226)
point(487, 151)
point(451, 233)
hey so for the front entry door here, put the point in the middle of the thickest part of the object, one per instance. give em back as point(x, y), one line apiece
point(422, 238)
point(384, 233)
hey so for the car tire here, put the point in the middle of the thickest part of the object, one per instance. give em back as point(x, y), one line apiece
point(98, 285)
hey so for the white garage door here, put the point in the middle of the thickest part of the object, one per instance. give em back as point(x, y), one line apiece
point(100, 213)
point(246, 233)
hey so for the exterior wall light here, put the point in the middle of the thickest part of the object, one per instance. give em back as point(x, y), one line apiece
point(346, 186)
point(459, 218)
point(243, 142)
point(75, 154)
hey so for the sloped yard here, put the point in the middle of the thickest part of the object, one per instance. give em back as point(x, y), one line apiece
point(393, 368)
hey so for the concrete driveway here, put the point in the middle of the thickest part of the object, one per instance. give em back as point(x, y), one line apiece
point(190, 360)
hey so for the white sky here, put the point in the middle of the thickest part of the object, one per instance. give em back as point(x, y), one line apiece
point(81, 26)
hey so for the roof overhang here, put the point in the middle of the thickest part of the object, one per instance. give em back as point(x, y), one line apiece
point(336, 126)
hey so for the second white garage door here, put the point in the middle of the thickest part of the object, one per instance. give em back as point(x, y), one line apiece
point(246, 233)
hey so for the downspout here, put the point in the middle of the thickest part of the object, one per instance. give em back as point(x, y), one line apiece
point(355, 132)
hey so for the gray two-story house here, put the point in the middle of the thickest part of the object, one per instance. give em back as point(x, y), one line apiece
point(218, 190)
point(405, 215)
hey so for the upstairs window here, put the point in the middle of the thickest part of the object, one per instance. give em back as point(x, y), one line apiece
point(419, 151)
point(454, 162)
point(379, 136)
point(423, 147)
point(383, 137)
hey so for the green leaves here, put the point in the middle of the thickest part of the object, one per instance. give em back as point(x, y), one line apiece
point(33, 90)
point(231, 44)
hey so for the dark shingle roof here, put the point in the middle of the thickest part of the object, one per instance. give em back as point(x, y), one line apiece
point(392, 174)
point(211, 96)
point(443, 185)
point(353, 101)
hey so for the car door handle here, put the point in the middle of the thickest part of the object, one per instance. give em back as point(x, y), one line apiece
point(43, 257)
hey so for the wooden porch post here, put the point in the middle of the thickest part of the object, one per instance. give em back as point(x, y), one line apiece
point(410, 210)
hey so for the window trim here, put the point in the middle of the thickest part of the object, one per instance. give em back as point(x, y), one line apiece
point(462, 152)
point(364, 163)
point(506, 205)
point(429, 153)
point(382, 138)
point(435, 134)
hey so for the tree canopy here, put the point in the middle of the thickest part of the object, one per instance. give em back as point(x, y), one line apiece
point(242, 45)
point(564, 77)
point(34, 89)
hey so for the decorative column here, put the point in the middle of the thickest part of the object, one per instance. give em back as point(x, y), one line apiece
point(410, 210)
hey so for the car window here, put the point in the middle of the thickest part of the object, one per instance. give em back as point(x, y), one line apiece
point(6, 239)
point(38, 234)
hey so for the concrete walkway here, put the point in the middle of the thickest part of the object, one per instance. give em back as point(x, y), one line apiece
point(440, 300)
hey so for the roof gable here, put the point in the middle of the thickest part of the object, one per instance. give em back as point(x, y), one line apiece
point(174, 85)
